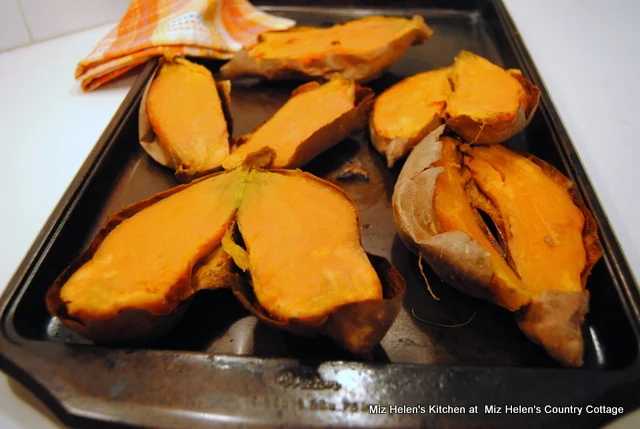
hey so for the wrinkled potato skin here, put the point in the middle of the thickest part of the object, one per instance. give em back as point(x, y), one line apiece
point(453, 255)
point(554, 320)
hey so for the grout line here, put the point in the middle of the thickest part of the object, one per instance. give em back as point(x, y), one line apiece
point(24, 21)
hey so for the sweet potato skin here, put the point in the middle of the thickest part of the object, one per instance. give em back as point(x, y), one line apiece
point(554, 320)
point(413, 210)
point(454, 256)
point(497, 130)
point(361, 67)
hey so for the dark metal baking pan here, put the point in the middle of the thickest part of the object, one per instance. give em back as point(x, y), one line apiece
point(218, 365)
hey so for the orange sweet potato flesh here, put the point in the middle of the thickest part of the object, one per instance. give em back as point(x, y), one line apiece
point(543, 226)
point(144, 260)
point(408, 111)
point(358, 50)
point(551, 239)
point(477, 99)
point(488, 104)
point(292, 138)
point(484, 90)
point(187, 115)
point(359, 36)
point(455, 213)
point(303, 242)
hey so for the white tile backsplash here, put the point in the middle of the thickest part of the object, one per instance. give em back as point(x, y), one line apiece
point(13, 31)
point(51, 18)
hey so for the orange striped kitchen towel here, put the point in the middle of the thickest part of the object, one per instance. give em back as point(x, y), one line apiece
point(199, 28)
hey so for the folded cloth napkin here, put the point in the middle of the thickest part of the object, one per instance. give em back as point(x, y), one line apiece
point(199, 28)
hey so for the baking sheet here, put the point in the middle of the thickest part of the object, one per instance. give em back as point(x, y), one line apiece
point(254, 370)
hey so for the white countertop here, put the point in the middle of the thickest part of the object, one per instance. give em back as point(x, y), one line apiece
point(585, 51)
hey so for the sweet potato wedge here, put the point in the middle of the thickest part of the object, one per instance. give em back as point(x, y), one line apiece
point(291, 139)
point(319, 279)
point(183, 119)
point(359, 50)
point(136, 275)
point(488, 104)
point(408, 111)
point(548, 242)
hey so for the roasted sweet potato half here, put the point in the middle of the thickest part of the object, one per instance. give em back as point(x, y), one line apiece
point(408, 111)
point(488, 104)
point(543, 249)
point(478, 100)
point(299, 242)
point(183, 119)
point(359, 50)
point(308, 270)
point(138, 270)
point(314, 119)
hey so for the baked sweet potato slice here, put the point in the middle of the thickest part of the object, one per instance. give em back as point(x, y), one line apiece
point(314, 119)
point(137, 271)
point(405, 113)
point(309, 272)
point(183, 124)
point(435, 218)
point(478, 100)
point(550, 241)
point(315, 231)
point(359, 50)
point(488, 104)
